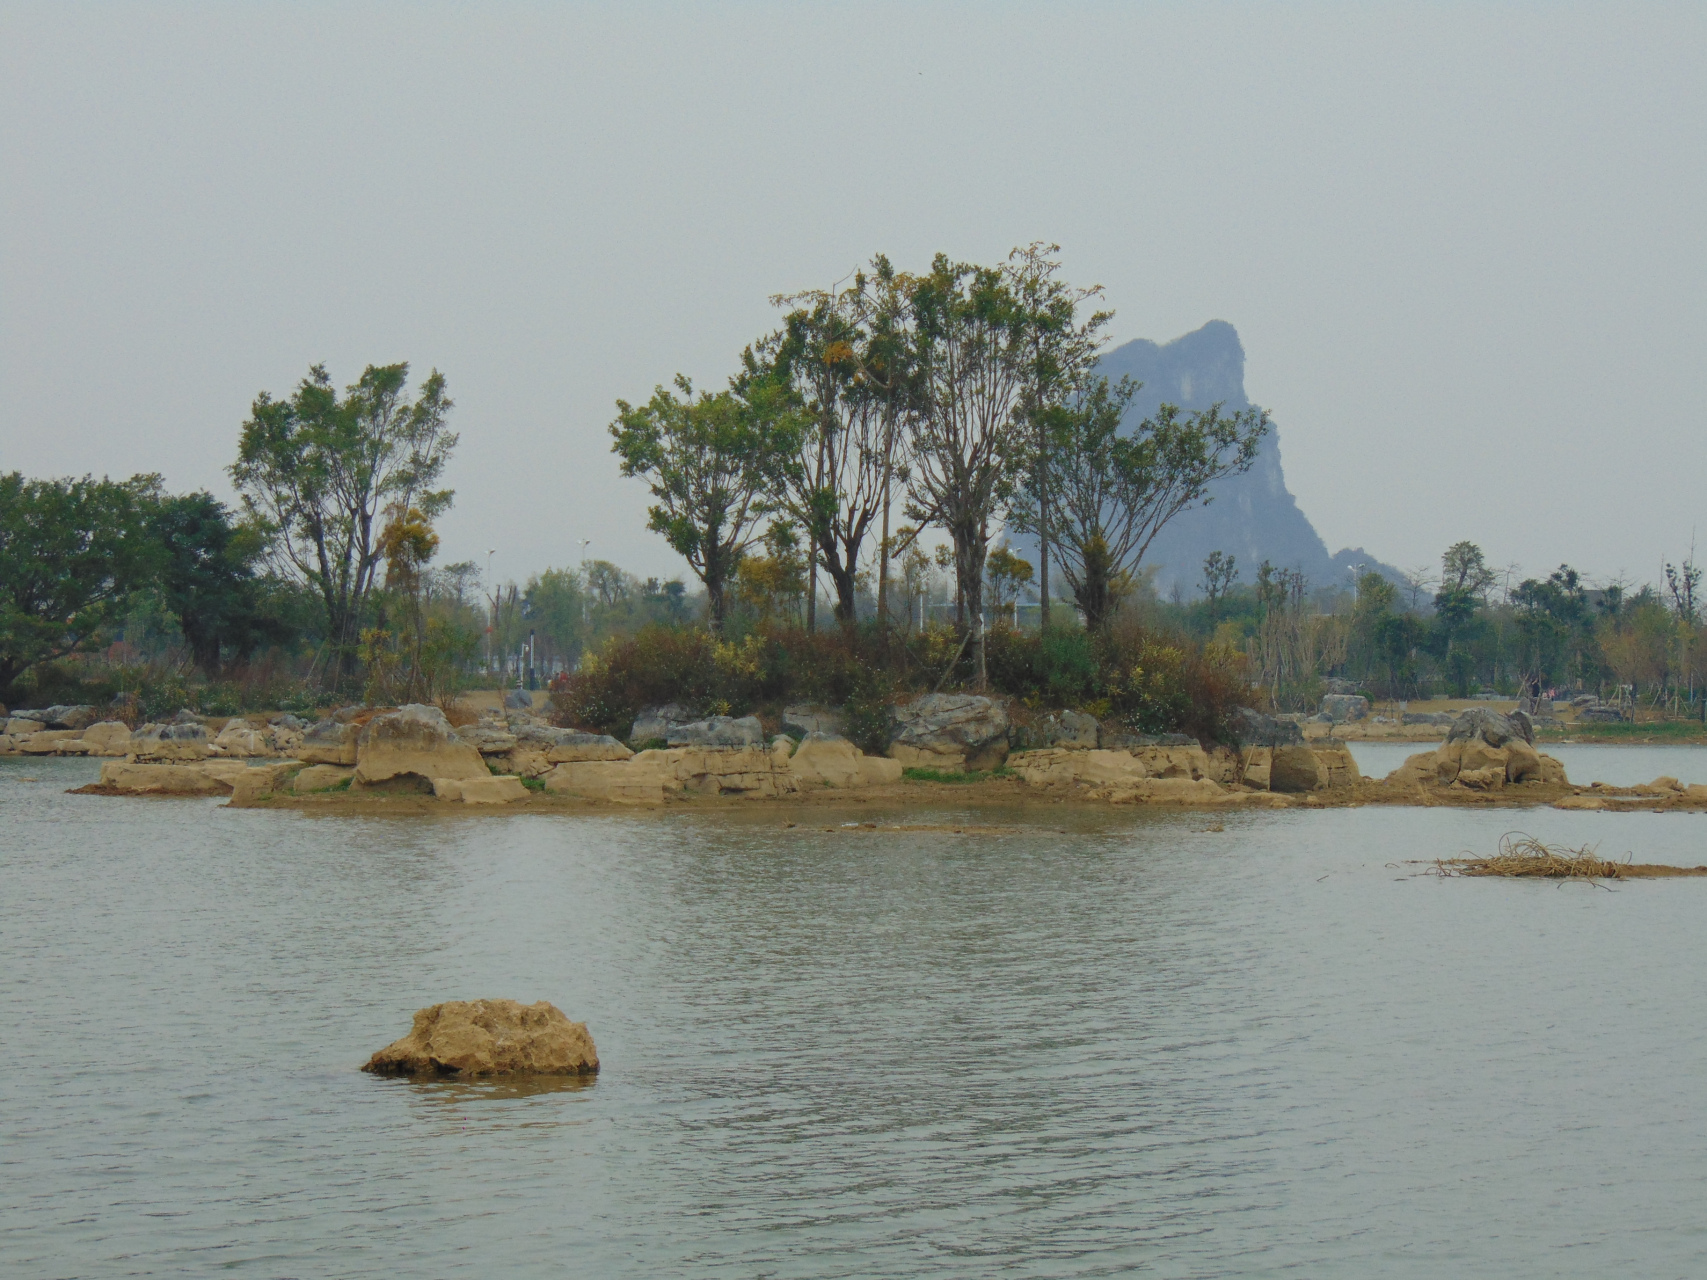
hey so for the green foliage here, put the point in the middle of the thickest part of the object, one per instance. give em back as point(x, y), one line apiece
point(708, 674)
point(1109, 492)
point(209, 583)
point(71, 552)
point(710, 462)
point(316, 472)
point(948, 776)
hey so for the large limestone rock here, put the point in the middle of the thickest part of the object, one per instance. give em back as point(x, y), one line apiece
point(161, 779)
point(108, 738)
point(616, 780)
point(1179, 760)
point(1078, 767)
point(518, 700)
point(825, 761)
point(1295, 769)
point(414, 741)
point(1174, 791)
point(164, 742)
point(1523, 762)
point(1418, 770)
point(329, 741)
point(22, 726)
point(250, 783)
point(489, 1037)
point(649, 777)
point(500, 789)
point(949, 731)
point(1480, 723)
point(718, 731)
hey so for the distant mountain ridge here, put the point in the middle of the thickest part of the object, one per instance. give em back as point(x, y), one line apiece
point(1253, 517)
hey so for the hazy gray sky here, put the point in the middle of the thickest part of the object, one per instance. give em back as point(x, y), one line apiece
point(1463, 244)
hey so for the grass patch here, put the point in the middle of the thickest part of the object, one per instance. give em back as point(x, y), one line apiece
point(534, 784)
point(342, 784)
point(944, 775)
point(1652, 731)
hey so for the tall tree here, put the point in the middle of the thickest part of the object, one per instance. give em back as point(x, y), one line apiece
point(968, 433)
point(710, 461)
point(1060, 351)
point(843, 373)
point(1114, 493)
point(71, 551)
point(319, 469)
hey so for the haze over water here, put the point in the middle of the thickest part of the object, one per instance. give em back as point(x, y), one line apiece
point(1133, 1046)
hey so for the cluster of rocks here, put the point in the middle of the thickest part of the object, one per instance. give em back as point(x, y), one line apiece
point(79, 731)
point(1483, 751)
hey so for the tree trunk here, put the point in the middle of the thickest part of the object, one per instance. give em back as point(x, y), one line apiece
point(971, 545)
point(1042, 543)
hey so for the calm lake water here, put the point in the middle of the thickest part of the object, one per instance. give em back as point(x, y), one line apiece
point(1117, 1043)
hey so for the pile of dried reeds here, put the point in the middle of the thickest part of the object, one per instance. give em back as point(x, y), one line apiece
point(1524, 855)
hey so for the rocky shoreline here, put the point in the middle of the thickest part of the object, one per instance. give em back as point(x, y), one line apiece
point(959, 746)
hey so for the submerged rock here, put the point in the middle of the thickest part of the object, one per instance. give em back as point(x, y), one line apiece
point(488, 1038)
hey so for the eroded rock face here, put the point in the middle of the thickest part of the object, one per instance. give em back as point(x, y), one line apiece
point(108, 738)
point(825, 761)
point(186, 741)
point(1490, 727)
point(414, 741)
point(718, 731)
point(500, 789)
point(329, 741)
point(1295, 769)
point(489, 1038)
point(950, 731)
point(1068, 766)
